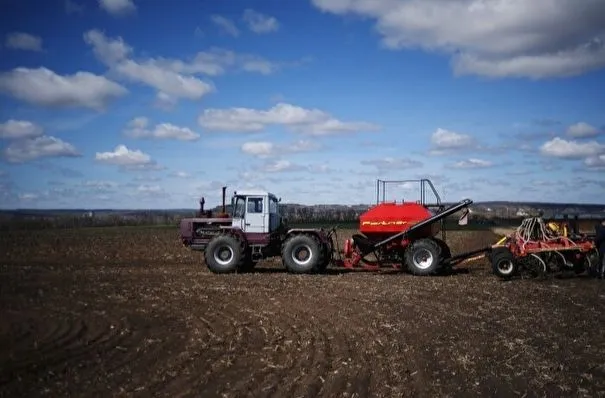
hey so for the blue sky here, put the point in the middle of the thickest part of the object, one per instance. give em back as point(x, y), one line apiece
point(150, 104)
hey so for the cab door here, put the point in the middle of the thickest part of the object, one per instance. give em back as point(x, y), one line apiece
point(255, 220)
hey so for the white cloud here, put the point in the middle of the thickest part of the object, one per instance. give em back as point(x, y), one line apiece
point(169, 83)
point(23, 41)
point(260, 23)
point(582, 130)
point(149, 188)
point(44, 87)
point(472, 163)
point(126, 158)
point(536, 39)
point(225, 24)
point(595, 162)
point(106, 50)
point(560, 148)
point(172, 78)
point(19, 129)
point(181, 174)
point(265, 149)
point(158, 74)
point(137, 128)
point(443, 139)
point(100, 185)
point(260, 149)
point(389, 163)
point(118, 7)
point(280, 166)
point(216, 61)
point(305, 121)
point(38, 147)
point(27, 196)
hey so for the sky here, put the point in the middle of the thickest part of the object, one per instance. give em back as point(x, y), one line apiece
point(149, 104)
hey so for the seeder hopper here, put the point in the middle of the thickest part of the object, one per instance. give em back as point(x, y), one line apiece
point(404, 235)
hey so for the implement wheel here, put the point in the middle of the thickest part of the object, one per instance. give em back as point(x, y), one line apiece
point(503, 263)
point(422, 257)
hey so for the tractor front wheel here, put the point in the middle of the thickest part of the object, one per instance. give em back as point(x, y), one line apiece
point(422, 257)
point(224, 254)
point(303, 254)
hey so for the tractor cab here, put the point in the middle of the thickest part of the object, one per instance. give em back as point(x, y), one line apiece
point(255, 211)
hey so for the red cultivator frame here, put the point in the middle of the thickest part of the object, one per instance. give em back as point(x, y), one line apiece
point(539, 247)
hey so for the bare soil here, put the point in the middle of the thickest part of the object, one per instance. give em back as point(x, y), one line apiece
point(128, 311)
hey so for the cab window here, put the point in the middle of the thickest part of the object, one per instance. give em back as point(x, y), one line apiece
point(255, 205)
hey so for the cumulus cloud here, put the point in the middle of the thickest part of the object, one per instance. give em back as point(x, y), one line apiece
point(108, 51)
point(43, 87)
point(582, 130)
point(472, 163)
point(39, 147)
point(389, 163)
point(100, 185)
point(125, 158)
point(595, 162)
point(445, 141)
point(564, 149)
point(518, 38)
point(225, 24)
point(265, 149)
point(23, 41)
point(138, 128)
point(281, 166)
point(172, 78)
point(260, 23)
point(19, 129)
point(118, 7)
point(181, 174)
point(302, 120)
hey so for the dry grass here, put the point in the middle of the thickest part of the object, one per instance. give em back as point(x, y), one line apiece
point(129, 311)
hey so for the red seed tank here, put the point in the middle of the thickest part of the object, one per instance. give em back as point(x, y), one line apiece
point(388, 218)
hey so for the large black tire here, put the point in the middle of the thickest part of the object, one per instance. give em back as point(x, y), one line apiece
point(503, 263)
point(422, 257)
point(446, 252)
point(225, 254)
point(315, 256)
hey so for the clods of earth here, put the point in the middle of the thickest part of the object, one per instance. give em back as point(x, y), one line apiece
point(130, 312)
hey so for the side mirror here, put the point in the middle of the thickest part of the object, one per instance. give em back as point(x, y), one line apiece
point(279, 200)
point(463, 220)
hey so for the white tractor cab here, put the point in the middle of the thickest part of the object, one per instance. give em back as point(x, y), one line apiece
point(255, 211)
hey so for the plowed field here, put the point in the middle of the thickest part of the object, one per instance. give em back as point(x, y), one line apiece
point(129, 312)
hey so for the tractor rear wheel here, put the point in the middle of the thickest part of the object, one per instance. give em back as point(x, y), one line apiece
point(303, 254)
point(225, 254)
point(503, 263)
point(422, 257)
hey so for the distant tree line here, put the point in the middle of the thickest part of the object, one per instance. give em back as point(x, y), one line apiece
point(295, 215)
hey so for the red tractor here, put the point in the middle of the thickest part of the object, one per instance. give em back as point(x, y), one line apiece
point(400, 234)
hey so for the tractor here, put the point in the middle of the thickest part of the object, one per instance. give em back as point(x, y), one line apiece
point(401, 234)
point(255, 230)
